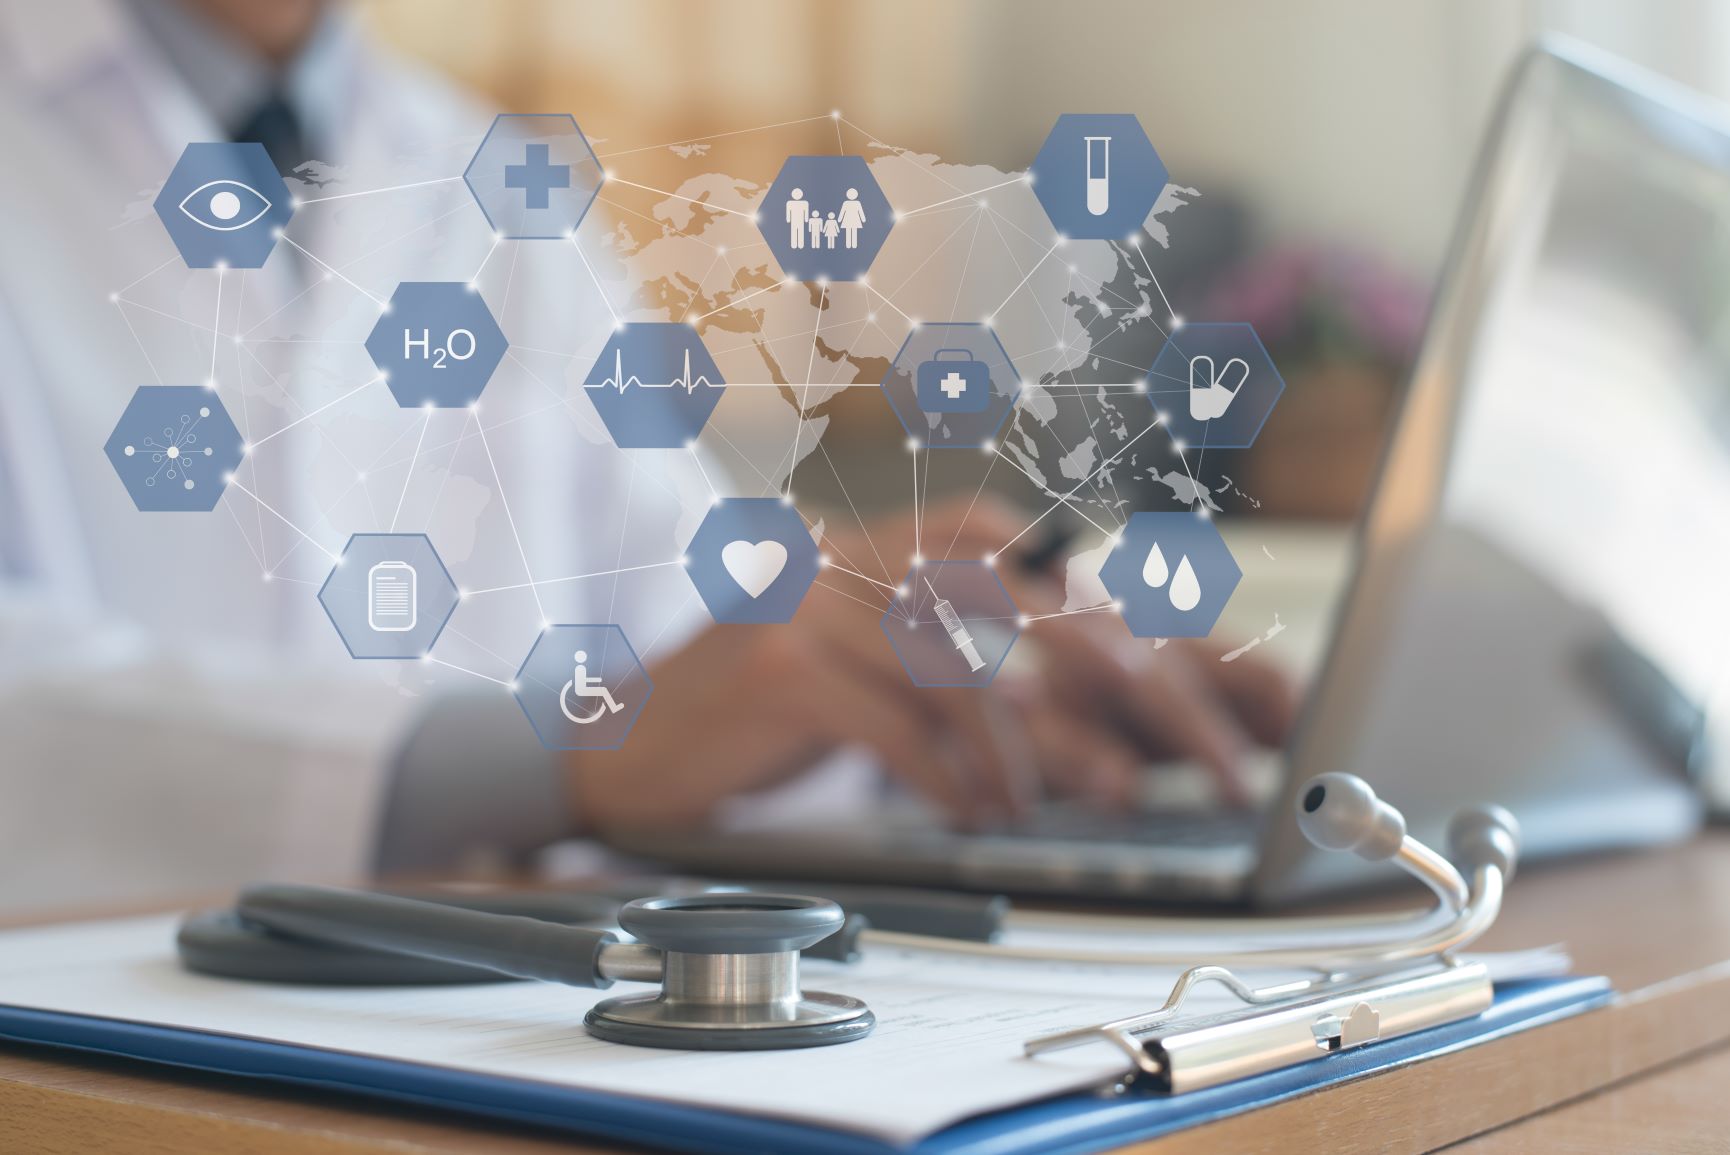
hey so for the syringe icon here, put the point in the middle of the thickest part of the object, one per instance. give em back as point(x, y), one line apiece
point(957, 632)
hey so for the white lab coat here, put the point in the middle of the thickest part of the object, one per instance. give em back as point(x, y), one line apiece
point(170, 720)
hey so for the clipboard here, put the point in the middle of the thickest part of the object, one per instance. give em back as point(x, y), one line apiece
point(1068, 1124)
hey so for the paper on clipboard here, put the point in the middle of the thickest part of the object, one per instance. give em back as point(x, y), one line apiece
point(948, 1044)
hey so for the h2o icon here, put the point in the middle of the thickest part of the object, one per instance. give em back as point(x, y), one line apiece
point(436, 344)
point(458, 345)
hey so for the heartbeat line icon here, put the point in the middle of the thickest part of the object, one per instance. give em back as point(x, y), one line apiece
point(683, 381)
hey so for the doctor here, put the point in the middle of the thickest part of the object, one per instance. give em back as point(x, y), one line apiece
point(175, 712)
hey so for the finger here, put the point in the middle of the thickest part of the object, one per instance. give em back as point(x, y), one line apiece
point(1168, 704)
point(961, 715)
point(1082, 758)
point(1263, 696)
point(845, 707)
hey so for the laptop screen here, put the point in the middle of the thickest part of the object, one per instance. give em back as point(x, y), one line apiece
point(1538, 617)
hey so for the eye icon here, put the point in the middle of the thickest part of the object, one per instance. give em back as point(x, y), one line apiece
point(224, 206)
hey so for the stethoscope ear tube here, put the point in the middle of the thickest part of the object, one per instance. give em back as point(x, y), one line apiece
point(217, 942)
point(512, 945)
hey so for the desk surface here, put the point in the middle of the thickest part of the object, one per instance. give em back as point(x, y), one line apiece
point(1657, 923)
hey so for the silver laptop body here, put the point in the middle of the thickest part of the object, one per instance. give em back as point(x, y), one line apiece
point(1540, 612)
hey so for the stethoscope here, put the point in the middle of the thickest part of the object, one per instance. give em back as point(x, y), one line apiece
point(727, 960)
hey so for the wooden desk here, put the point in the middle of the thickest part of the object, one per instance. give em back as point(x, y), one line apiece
point(1658, 924)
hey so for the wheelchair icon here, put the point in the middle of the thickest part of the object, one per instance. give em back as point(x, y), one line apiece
point(581, 687)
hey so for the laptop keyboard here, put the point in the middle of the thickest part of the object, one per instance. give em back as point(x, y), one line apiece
point(1201, 829)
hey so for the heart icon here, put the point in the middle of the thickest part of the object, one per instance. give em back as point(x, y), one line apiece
point(754, 565)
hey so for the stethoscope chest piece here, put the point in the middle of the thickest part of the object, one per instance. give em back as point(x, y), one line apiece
point(730, 976)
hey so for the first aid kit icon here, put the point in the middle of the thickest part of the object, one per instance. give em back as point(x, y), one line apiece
point(953, 381)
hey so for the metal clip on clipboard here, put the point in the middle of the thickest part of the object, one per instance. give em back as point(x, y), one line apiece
point(1282, 1025)
point(1362, 993)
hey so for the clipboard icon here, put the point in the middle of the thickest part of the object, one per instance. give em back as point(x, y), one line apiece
point(390, 597)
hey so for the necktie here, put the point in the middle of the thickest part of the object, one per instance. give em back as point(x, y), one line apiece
point(276, 126)
point(14, 547)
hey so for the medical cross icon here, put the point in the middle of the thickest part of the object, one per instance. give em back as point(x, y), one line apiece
point(536, 177)
point(953, 385)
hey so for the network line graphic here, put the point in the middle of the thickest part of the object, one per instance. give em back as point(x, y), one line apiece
point(684, 380)
point(1080, 423)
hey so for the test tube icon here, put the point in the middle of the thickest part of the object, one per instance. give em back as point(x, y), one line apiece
point(1098, 174)
point(952, 625)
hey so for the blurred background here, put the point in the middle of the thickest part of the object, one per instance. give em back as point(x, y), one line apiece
point(1332, 141)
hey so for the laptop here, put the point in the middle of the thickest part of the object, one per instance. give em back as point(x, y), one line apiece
point(1538, 613)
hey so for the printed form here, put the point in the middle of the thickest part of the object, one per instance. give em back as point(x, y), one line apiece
point(947, 1044)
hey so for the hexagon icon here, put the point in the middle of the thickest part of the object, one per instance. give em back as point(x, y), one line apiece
point(389, 595)
point(952, 385)
point(952, 624)
point(224, 204)
point(654, 385)
point(582, 687)
point(534, 176)
point(436, 344)
point(752, 560)
point(1097, 175)
point(1214, 385)
point(1171, 575)
point(825, 218)
point(174, 448)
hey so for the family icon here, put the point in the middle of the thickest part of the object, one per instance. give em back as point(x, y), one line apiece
point(803, 218)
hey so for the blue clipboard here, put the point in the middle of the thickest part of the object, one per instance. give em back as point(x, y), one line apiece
point(1067, 1125)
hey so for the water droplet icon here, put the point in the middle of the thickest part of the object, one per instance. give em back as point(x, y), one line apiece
point(1154, 570)
point(1185, 589)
